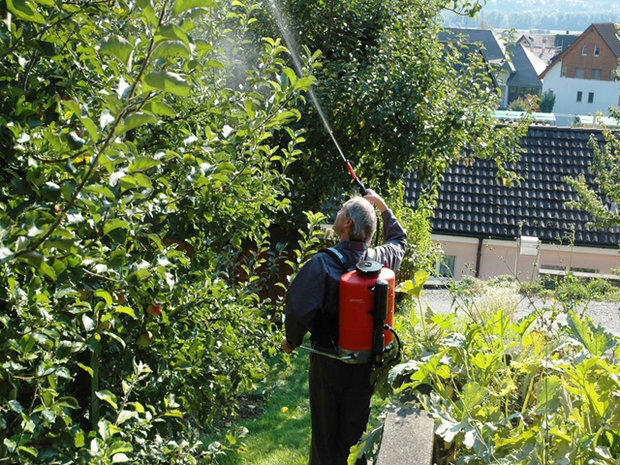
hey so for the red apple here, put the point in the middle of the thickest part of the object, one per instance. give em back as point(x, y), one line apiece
point(153, 309)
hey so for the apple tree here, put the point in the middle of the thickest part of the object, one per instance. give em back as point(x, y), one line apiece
point(144, 145)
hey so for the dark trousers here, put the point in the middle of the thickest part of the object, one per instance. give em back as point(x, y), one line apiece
point(339, 406)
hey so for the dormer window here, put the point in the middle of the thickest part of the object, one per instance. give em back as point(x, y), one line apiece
point(584, 51)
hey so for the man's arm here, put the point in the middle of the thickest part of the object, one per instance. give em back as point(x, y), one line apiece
point(391, 253)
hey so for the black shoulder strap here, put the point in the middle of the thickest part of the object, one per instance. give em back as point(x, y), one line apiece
point(337, 255)
point(370, 254)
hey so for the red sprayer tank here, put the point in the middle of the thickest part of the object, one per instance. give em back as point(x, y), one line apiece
point(358, 294)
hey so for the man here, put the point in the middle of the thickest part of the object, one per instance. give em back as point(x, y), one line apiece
point(339, 392)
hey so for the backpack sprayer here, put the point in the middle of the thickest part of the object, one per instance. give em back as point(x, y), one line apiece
point(365, 314)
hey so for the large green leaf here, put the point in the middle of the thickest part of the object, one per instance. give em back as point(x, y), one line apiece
point(23, 10)
point(183, 5)
point(171, 32)
point(171, 48)
point(594, 338)
point(117, 47)
point(148, 9)
point(160, 108)
point(135, 120)
point(169, 82)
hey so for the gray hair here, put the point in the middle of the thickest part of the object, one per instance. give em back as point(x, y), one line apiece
point(364, 218)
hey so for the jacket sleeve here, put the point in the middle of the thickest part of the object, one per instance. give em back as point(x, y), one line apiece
point(304, 298)
point(392, 251)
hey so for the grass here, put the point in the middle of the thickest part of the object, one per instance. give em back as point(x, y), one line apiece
point(281, 433)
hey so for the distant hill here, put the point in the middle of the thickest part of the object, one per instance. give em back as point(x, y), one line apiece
point(543, 15)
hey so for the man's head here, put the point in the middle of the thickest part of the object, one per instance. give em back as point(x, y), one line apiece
point(356, 221)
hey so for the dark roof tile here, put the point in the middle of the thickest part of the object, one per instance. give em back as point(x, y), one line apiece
point(472, 201)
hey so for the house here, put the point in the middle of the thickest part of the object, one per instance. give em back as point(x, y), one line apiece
point(546, 46)
point(487, 229)
point(516, 68)
point(523, 80)
point(583, 76)
point(493, 49)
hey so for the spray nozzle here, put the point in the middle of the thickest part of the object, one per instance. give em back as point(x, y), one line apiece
point(360, 184)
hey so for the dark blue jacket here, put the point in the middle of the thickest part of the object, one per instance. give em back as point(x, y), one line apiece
point(312, 297)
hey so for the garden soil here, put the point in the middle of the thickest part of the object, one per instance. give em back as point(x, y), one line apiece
point(604, 314)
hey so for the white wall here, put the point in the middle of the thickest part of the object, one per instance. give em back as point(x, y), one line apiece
point(499, 257)
point(606, 93)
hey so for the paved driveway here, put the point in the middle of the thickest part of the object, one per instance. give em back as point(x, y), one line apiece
point(605, 314)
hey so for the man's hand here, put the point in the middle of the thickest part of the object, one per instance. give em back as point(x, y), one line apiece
point(285, 347)
point(376, 200)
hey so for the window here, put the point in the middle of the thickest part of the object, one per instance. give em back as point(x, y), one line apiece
point(596, 51)
point(591, 97)
point(595, 74)
point(445, 267)
point(584, 50)
point(563, 71)
point(579, 96)
point(580, 73)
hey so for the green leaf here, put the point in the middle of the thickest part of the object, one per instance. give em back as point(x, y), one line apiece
point(148, 8)
point(472, 395)
point(126, 310)
point(171, 48)
point(120, 458)
point(115, 224)
point(79, 439)
point(169, 82)
point(117, 47)
point(123, 417)
point(135, 120)
point(160, 108)
point(104, 191)
point(105, 295)
point(31, 450)
point(366, 445)
point(108, 397)
point(183, 5)
point(23, 10)
point(87, 369)
point(171, 32)
point(594, 338)
point(66, 348)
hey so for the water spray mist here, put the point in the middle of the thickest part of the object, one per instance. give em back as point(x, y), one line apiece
point(291, 44)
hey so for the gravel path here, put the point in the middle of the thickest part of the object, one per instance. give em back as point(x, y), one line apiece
point(605, 314)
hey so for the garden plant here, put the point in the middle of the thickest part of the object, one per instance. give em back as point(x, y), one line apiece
point(153, 155)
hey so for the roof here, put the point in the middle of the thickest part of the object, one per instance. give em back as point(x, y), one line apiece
point(473, 203)
point(607, 31)
point(544, 46)
point(493, 52)
point(527, 68)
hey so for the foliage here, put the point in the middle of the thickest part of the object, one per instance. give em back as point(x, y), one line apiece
point(601, 199)
point(527, 103)
point(547, 101)
point(421, 253)
point(143, 150)
point(396, 98)
point(507, 392)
